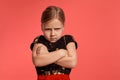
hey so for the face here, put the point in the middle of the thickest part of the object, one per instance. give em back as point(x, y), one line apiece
point(52, 30)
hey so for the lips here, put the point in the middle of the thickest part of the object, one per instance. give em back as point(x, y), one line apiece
point(52, 39)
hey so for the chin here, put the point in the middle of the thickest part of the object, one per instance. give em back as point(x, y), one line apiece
point(52, 41)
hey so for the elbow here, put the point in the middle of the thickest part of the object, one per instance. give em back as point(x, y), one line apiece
point(37, 64)
point(73, 65)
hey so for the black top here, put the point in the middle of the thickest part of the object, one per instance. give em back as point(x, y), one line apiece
point(60, 44)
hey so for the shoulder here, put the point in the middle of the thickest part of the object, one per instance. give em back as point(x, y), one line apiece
point(36, 40)
point(68, 35)
point(68, 39)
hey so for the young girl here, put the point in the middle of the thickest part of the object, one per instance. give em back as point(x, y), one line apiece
point(53, 54)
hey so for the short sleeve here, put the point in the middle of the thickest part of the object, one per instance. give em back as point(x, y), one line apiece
point(34, 41)
point(69, 38)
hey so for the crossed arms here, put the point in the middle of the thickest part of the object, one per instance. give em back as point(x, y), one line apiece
point(66, 58)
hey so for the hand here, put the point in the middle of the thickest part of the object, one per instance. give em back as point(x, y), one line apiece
point(63, 52)
point(40, 49)
point(43, 49)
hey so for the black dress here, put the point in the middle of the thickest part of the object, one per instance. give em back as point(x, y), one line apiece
point(60, 44)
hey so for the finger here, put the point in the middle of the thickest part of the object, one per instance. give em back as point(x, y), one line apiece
point(38, 50)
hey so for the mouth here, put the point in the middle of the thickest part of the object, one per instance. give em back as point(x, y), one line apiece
point(52, 39)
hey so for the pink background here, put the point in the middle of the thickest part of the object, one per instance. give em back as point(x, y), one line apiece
point(95, 24)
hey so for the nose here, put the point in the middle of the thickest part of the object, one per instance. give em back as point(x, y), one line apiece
point(52, 32)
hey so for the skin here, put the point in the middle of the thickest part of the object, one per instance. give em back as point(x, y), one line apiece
point(52, 30)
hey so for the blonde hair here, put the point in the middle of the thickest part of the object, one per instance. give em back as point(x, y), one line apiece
point(52, 12)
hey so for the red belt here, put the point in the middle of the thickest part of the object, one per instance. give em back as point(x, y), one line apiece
point(54, 77)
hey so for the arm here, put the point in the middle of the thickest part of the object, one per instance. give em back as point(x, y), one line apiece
point(70, 60)
point(42, 57)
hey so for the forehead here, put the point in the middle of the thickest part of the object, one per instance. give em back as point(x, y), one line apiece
point(53, 23)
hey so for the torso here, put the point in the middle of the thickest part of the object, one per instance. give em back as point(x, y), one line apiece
point(53, 68)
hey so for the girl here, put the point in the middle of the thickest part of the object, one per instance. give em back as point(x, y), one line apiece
point(53, 54)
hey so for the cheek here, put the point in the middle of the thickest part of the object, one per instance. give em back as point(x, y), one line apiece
point(46, 33)
point(60, 32)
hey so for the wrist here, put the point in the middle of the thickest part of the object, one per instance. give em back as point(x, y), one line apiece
point(62, 52)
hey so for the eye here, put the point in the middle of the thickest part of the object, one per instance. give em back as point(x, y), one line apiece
point(57, 28)
point(47, 29)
